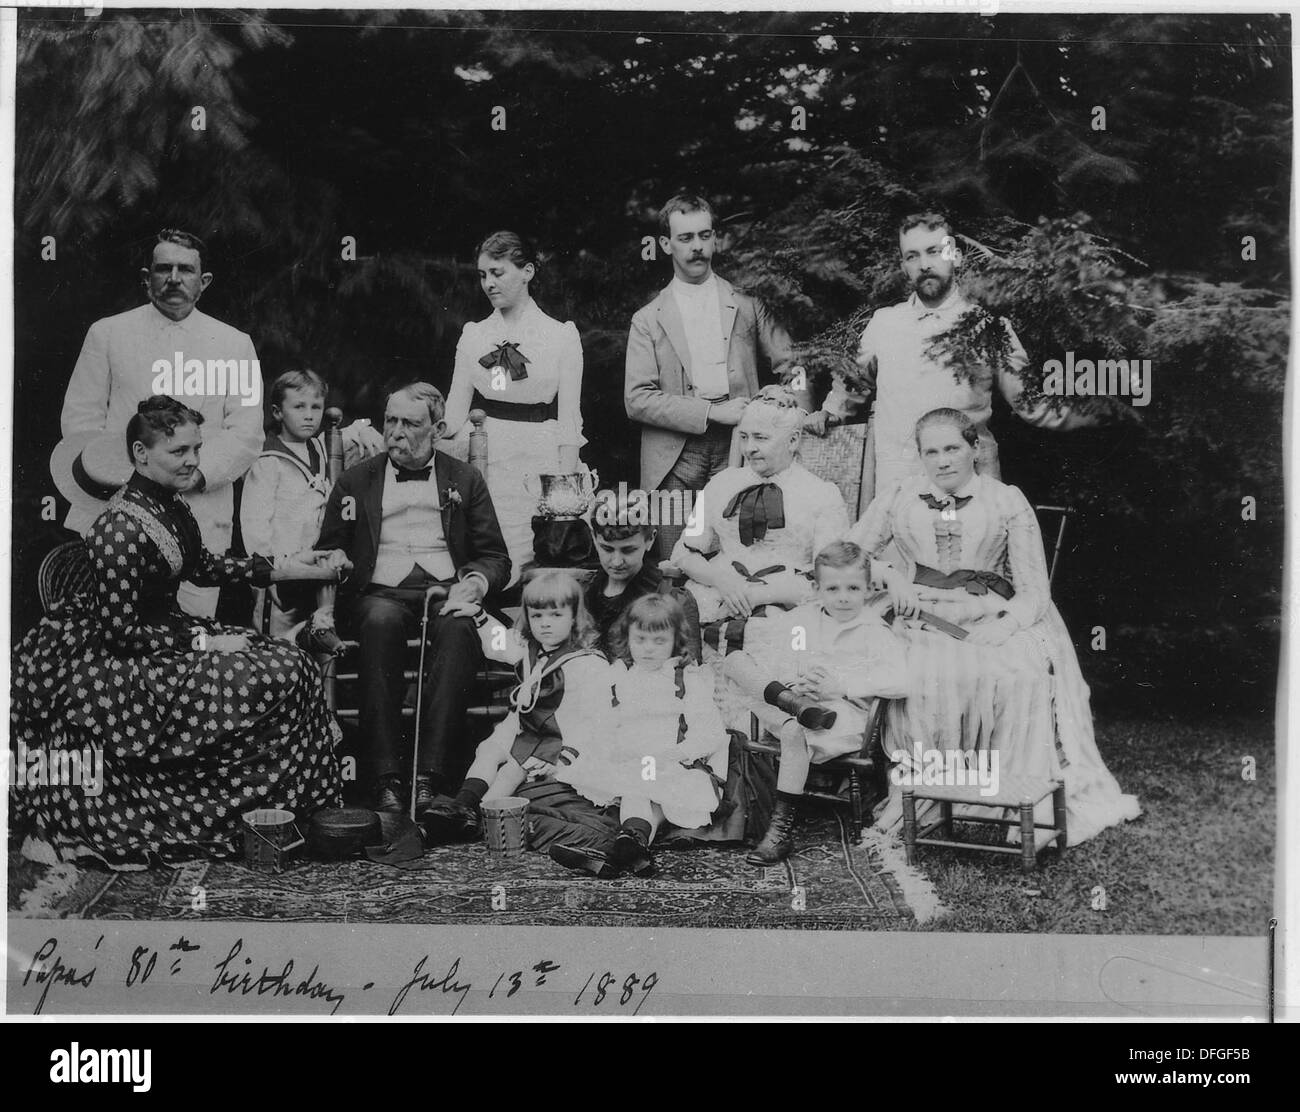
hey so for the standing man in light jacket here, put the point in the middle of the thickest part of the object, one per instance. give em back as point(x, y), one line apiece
point(116, 371)
point(696, 354)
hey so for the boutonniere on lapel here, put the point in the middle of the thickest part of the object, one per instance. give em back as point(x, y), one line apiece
point(509, 358)
point(450, 499)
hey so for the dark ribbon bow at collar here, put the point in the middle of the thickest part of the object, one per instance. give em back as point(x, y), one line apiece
point(510, 357)
point(413, 475)
point(943, 503)
point(761, 507)
point(972, 582)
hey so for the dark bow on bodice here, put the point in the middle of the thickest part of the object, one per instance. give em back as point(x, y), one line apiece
point(761, 507)
point(943, 503)
point(509, 356)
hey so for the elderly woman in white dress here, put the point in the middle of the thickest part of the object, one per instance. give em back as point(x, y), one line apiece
point(524, 370)
point(1009, 681)
point(756, 529)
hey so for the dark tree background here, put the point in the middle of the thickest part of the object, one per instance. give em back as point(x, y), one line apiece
point(1125, 241)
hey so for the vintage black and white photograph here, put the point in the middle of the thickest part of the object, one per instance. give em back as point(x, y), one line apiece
point(776, 475)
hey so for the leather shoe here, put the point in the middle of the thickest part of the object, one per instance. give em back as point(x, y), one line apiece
point(629, 853)
point(447, 821)
point(388, 797)
point(580, 860)
point(425, 796)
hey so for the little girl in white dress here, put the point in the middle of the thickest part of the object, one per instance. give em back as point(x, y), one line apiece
point(668, 756)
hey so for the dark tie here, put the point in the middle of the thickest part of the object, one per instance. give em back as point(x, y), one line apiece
point(952, 500)
point(421, 475)
point(313, 458)
point(761, 507)
point(510, 357)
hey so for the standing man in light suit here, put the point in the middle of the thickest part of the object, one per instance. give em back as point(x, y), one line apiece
point(115, 372)
point(695, 355)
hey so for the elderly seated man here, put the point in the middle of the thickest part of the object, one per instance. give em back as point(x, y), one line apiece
point(404, 522)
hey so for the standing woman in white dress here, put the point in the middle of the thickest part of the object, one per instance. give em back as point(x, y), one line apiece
point(524, 370)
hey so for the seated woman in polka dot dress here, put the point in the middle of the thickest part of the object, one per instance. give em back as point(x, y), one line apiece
point(195, 723)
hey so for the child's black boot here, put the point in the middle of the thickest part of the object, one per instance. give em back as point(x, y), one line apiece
point(778, 842)
point(631, 850)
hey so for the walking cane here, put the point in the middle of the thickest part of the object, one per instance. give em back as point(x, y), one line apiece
point(429, 592)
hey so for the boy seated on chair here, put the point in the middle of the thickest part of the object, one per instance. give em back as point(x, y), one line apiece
point(812, 671)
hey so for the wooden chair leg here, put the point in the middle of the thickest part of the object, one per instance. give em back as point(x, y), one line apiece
point(1028, 858)
point(909, 825)
point(1058, 811)
point(855, 805)
point(945, 818)
point(748, 819)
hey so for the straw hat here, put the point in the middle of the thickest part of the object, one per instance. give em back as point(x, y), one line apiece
point(89, 467)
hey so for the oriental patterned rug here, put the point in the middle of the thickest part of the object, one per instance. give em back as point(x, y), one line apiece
point(828, 885)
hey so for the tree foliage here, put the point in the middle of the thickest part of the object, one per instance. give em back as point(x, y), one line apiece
point(1122, 239)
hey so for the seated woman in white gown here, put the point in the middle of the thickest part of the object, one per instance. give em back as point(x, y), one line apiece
point(756, 529)
point(973, 552)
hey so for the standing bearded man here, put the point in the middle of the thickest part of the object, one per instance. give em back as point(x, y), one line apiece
point(908, 381)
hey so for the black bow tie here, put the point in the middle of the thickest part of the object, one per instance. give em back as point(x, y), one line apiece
point(761, 507)
point(952, 500)
point(420, 475)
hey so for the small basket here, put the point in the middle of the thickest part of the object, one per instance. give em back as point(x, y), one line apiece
point(505, 826)
point(269, 833)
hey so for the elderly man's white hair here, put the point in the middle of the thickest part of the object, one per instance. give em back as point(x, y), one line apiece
point(424, 392)
point(780, 406)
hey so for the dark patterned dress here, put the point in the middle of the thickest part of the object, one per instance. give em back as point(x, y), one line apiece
point(190, 738)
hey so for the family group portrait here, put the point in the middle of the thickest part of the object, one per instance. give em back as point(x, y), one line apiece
point(782, 471)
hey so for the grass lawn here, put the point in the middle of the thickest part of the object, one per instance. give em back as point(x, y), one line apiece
point(1198, 862)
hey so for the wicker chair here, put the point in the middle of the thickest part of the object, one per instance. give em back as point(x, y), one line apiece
point(65, 571)
point(846, 457)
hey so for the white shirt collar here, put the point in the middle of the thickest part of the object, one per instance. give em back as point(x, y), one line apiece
point(431, 483)
point(162, 320)
point(954, 300)
point(697, 291)
point(498, 321)
point(829, 619)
